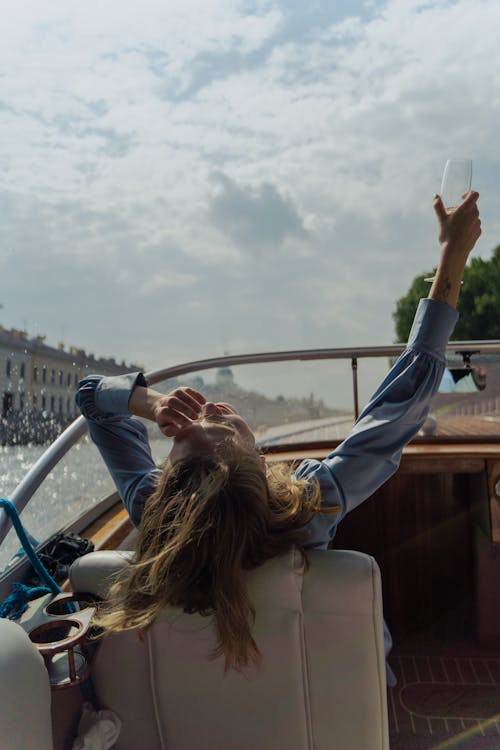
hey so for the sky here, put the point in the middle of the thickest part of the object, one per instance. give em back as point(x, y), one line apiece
point(180, 180)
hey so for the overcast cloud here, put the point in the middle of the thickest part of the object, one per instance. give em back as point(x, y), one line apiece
point(183, 179)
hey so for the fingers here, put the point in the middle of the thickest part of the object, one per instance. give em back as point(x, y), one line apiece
point(469, 202)
point(470, 197)
point(469, 206)
point(199, 397)
point(459, 228)
point(185, 401)
point(224, 408)
point(178, 409)
point(439, 209)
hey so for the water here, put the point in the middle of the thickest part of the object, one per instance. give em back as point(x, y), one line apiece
point(15, 460)
point(78, 482)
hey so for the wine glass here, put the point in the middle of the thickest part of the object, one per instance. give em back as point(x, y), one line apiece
point(457, 178)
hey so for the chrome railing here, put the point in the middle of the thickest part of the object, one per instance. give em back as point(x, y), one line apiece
point(58, 449)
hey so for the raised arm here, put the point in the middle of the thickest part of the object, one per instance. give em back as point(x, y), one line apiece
point(372, 451)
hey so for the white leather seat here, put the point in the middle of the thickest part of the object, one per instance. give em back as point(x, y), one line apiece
point(25, 722)
point(322, 681)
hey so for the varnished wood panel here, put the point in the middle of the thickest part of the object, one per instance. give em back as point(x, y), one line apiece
point(418, 527)
point(417, 458)
point(110, 529)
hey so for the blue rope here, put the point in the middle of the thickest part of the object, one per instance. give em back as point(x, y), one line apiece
point(17, 601)
point(38, 566)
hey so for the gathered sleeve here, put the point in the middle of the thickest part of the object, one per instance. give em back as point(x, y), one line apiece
point(122, 440)
point(372, 451)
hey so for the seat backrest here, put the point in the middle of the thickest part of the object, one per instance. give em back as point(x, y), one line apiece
point(322, 680)
point(25, 720)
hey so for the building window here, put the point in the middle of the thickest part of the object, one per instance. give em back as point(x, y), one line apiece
point(34, 400)
point(8, 368)
point(68, 380)
point(44, 403)
point(22, 370)
point(8, 404)
point(35, 374)
point(52, 377)
point(52, 404)
point(44, 374)
point(21, 401)
point(60, 377)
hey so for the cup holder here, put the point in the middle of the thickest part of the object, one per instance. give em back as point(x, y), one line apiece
point(63, 638)
point(61, 665)
point(55, 632)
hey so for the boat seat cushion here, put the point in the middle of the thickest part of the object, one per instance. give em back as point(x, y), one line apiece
point(322, 680)
point(25, 721)
point(94, 573)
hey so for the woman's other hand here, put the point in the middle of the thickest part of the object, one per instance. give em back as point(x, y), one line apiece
point(178, 409)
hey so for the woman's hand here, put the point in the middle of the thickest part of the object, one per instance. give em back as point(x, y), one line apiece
point(175, 411)
point(171, 412)
point(459, 231)
point(461, 227)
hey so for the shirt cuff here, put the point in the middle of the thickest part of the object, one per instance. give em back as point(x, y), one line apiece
point(432, 327)
point(99, 396)
point(112, 394)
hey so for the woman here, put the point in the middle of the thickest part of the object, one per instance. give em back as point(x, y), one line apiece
point(214, 512)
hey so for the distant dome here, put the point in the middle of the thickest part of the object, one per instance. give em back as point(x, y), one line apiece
point(224, 376)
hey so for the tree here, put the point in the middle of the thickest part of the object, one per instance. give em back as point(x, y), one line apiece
point(479, 302)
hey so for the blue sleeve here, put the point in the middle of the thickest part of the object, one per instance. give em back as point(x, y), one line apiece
point(121, 439)
point(372, 451)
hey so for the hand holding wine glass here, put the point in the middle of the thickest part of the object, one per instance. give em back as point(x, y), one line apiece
point(459, 231)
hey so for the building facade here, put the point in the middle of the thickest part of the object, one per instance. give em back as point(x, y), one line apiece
point(40, 381)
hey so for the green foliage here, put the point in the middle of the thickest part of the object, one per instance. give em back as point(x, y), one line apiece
point(406, 306)
point(479, 302)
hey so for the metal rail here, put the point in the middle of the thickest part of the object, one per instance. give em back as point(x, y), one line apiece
point(485, 347)
point(58, 449)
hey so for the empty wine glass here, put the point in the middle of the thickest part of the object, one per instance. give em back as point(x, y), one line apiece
point(457, 177)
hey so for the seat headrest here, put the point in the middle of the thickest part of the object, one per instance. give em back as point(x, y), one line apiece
point(278, 583)
point(95, 572)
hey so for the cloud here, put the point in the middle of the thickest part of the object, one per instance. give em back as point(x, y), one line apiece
point(326, 126)
point(159, 282)
point(254, 217)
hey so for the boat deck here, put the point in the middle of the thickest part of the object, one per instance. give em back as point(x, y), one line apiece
point(447, 696)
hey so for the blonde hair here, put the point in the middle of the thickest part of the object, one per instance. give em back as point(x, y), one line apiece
point(211, 519)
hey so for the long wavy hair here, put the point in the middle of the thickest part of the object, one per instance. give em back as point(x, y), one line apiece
point(211, 519)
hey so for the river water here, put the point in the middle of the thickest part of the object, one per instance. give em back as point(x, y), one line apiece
point(75, 484)
point(79, 481)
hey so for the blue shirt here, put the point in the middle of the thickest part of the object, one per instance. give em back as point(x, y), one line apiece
point(349, 475)
point(352, 472)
